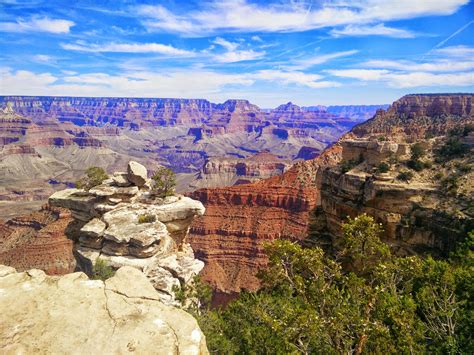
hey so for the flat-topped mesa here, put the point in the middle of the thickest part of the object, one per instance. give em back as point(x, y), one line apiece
point(416, 117)
point(126, 224)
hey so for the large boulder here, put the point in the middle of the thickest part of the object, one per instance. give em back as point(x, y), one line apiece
point(137, 173)
point(72, 314)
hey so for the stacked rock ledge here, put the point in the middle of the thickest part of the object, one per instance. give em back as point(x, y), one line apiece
point(125, 224)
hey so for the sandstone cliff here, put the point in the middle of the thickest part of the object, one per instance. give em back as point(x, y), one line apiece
point(47, 142)
point(239, 219)
point(424, 204)
point(43, 315)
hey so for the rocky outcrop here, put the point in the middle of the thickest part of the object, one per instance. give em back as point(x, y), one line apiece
point(131, 226)
point(218, 172)
point(420, 116)
point(240, 219)
point(422, 214)
point(45, 139)
point(38, 240)
point(124, 314)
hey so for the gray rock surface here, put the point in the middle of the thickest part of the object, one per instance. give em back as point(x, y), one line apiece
point(71, 314)
point(137, 173)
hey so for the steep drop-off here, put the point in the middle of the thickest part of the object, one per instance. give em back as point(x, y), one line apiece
point(239, 219)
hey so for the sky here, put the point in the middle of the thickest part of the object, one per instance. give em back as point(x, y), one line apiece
point(321, 52)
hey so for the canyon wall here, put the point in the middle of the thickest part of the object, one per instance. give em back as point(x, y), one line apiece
point(239, 220)
point(317, 193)
point(46, 143)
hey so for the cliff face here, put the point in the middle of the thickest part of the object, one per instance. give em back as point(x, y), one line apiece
point(219, 172)
point(239, 219)
point(229, 238)
point(416, 116)
point(44, 314)
point(38, 240)
point(53, 139)
point(426, 212)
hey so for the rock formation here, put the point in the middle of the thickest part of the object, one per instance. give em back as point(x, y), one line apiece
point(46, 143)
point(422, 214)
point(239, 219)
point(219, 172)
point(38, 240)
point(124, 314)
point(124, 223)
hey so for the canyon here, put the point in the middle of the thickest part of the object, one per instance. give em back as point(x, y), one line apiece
point(46, 143)
point(314, 197)
point(273, 197)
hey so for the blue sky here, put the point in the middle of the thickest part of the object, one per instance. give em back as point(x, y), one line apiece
point(308, 52)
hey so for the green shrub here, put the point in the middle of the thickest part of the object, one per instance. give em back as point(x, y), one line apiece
point(383, 168)
point(382, 138)
point(101, 270)
point(452, 148)
point(405, 176)
point(347, 165)
point(438, 176)
point(417, 151)
point(164, 182)
point(93, 176)
point(450, 183)
point(146, 218)
point(416, 165)
point(463, 167)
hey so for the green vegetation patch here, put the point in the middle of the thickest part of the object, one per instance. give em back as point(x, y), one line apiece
point(363, 301)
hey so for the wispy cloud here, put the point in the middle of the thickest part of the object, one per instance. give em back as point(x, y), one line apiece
point(294, 77)
point(320, 59)
point(455, 51)
point(242, 16)
point(37, 24)
point(444, 65)
point(232, 53)
point(127, 48)
point(407, 79)
point(376, 30)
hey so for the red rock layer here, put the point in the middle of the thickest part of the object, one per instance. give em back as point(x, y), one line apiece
point(240, 219)
point(38, 241)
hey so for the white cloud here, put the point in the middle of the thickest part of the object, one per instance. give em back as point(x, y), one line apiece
point(37, 24)
point(362, 74)
point(377, 30)
point(420, 79)
point(443, 65)
point(177, 83)
point(320, 59)
point(294, 77)
point(455, 51)
point(242, 16)
point(127, 48)
point(256, 39)
point(407, 79)
point(230, 46)
point(43, 58)
point(232, 54)
point(238, 56)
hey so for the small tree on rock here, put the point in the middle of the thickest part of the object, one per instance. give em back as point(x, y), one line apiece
point(164, 182)
point(94, 176)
